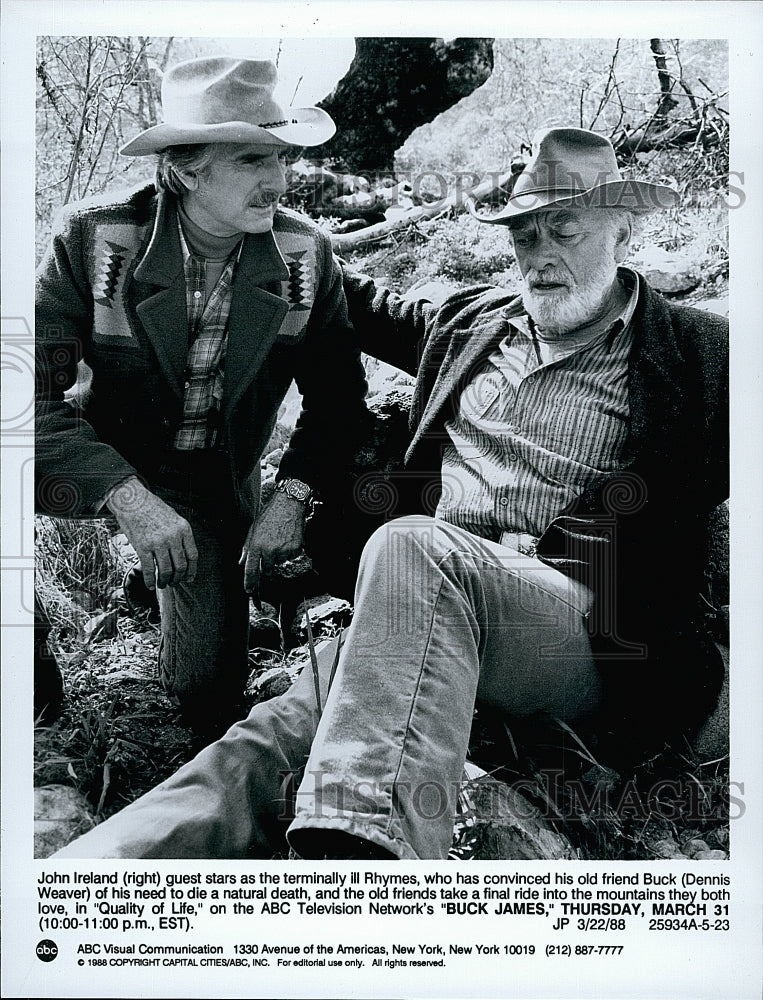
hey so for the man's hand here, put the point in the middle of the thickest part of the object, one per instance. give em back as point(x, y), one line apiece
point(276, 535)
point(161, 537)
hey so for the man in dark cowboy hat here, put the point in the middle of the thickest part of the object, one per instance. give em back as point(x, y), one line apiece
point(577, 437)
point(195, 301)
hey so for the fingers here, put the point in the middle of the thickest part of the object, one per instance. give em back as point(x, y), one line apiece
point(268, 560)
point(173, 561)
point(252, 574)
point(192, 556)
point(147, 568)
point(164, 568)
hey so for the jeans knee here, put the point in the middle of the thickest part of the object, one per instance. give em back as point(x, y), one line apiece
point(398, 542)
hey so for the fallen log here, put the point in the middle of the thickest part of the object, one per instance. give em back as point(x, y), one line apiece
point(457, 201)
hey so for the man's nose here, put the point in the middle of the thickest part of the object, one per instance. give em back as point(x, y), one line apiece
point(543, 253)
point(276, 176)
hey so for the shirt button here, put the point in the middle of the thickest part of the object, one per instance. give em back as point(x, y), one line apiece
point(188, 385)
point(504, 501)
point(197, 294)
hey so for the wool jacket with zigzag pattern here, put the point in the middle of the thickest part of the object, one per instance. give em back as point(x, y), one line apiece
point(111, 292)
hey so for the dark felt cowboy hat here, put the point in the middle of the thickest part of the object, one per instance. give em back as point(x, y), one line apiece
point(576, 168)
point(224, 99)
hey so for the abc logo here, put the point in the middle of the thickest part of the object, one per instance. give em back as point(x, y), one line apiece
point(47, 950)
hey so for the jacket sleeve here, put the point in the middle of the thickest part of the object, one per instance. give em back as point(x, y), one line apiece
point(387, 326)
point(330, 376)
point(74, 469)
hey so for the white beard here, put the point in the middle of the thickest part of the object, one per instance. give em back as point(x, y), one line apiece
point(567, 310)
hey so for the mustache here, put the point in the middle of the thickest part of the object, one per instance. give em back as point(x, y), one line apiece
point(265, 199)
point(547, 276)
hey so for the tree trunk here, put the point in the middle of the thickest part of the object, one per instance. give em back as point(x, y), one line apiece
point(393, 86)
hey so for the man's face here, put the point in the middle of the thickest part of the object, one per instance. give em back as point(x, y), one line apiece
point(568, 259)
point(239, 191)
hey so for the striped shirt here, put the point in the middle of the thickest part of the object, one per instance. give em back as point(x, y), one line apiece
point(537, 425)
point(205, 366)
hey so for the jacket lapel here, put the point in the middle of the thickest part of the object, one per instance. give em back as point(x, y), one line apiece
point(164, 313)
point(656, 395)
point(466, 351)
point(256, 315)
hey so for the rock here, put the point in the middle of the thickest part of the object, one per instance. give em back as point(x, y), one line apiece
point(102, 626)
point(434, 291)
point(60, 815)
point(383, 379)
point(692, 847)
point(711, 856)
point(83, 599)
point(325, 612)
point(501, 824)
point(666, 848)
point(270, 683)
point(718, 306)
point(670, 273)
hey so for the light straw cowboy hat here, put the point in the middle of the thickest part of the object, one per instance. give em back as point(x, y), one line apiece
point(223, 99)
point(576, 168)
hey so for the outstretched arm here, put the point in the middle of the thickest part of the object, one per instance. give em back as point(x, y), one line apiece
point(387, 326)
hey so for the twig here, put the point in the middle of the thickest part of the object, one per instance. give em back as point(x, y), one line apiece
point(313, 661)
point(335, 664)
point(607, 88)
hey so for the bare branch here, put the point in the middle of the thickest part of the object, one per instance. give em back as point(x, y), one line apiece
point(608, 86)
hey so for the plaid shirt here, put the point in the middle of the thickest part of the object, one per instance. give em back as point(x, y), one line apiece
point(205, 367)
point(536, 426)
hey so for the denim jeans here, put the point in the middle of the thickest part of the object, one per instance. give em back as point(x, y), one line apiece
point(442, 617)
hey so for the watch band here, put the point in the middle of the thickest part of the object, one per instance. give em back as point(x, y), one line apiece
point(297, 490)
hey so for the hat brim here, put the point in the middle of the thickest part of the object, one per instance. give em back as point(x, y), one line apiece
point(306, 127)
point(640, 197)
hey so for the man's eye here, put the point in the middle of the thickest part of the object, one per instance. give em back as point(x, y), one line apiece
point(290, 154)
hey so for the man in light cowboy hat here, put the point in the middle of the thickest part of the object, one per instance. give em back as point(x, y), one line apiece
point(577, 437)
point(195, 302)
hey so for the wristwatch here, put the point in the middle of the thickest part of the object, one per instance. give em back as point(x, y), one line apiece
point(298, 490)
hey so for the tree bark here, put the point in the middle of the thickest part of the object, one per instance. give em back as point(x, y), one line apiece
point(394, 85)
point(667, 101)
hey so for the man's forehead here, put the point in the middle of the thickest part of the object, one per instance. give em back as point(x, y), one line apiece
point(237, 150)
point(552, 216)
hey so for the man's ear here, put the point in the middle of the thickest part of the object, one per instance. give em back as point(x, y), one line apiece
point(188, 178)
point(623, 238)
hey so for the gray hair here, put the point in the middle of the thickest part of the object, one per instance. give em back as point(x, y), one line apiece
point(618, 219)
point(196, 159)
